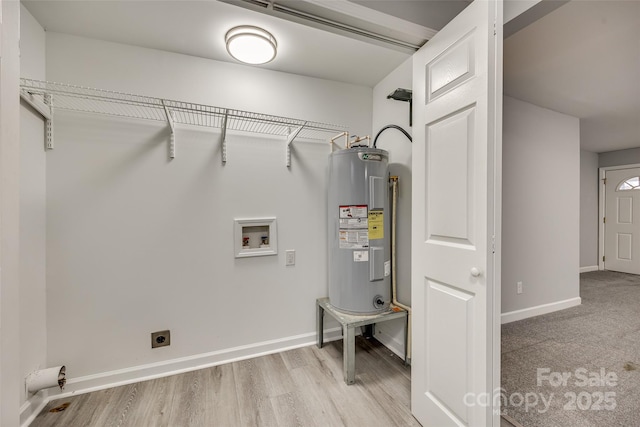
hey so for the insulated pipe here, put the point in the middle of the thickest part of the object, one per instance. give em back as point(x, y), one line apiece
point(394, 300)
point(362, 138)
point(332, 141)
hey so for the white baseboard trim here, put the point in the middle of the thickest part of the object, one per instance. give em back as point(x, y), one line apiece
point(390, 342)
point(32, 407)
point(589, 268)
point(166, 368)
point(525, 313)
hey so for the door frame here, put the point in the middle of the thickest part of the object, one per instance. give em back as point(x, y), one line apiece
point(602, 194)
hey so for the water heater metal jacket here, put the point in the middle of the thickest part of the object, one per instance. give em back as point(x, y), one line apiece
point(359, 230)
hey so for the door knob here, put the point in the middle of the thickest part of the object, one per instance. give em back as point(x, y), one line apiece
point(475, 272)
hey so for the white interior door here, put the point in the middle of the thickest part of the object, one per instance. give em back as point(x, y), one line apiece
point(622, 221)
point(457, 89)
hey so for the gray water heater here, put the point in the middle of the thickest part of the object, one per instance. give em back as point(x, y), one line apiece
point(359, 230)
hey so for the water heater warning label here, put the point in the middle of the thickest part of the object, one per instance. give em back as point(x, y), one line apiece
point(353, 227)
point(353, 212)
point(354, 239)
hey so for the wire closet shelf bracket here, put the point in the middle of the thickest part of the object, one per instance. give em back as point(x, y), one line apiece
point(46, 97)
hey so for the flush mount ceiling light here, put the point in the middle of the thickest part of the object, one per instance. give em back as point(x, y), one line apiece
point(251, 45)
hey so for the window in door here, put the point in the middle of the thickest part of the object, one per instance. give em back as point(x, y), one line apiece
point(629, 184)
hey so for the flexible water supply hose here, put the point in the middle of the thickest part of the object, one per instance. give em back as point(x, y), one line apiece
point(394, 300)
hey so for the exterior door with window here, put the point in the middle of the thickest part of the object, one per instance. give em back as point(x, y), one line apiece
point(622, 221)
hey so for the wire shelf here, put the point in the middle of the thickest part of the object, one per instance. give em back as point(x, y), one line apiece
point(49, 95)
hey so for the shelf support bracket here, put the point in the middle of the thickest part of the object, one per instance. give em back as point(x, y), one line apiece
point(223, 136)
point(43, 109)
point(48, 99)
point(46, 111)
point(172, 126)
point(290, 138)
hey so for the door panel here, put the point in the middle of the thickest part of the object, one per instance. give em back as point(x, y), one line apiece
point(457, 121)
point(622, 225)
point(451, 68)
point(624, 246)
point(448, 371)
point(625, 210)
point(450, 160)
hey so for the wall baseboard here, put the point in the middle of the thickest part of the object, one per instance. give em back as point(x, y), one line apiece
point(525, 313)
point(589, 268)
point(166, 368)
point(390, 342)
point(32, 407)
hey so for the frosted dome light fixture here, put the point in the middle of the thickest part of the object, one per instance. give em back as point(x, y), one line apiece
point(251, 45)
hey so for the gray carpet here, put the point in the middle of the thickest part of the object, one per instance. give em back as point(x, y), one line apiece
point(601, 334)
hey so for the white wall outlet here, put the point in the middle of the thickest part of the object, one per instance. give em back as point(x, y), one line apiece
point(519, 287)
point(290, 257)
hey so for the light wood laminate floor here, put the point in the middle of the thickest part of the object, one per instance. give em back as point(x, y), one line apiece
point(302, 387)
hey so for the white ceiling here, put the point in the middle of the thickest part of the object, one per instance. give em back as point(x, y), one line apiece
point(197, 28)
point(583, 60)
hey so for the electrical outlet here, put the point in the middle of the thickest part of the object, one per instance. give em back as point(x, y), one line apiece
point(519, 287)
point(160, 339)
point(290, 257)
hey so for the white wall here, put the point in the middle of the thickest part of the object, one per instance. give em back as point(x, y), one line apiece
point(588, 210)
point(32, 46)
point(541, 208)
point(619, 157)
point(94, 63)
point(33, 328)
point(137, 243)
point(387, 111)
point(10, 381)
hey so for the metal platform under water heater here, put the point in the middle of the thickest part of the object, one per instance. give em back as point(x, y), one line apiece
point(349, 323)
